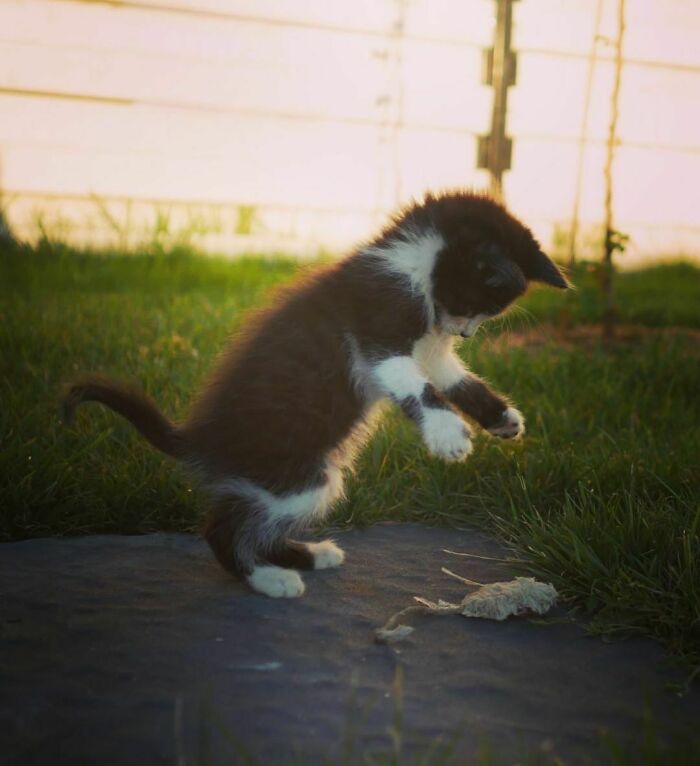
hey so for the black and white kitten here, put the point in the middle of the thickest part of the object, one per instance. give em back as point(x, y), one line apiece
point(282, 415)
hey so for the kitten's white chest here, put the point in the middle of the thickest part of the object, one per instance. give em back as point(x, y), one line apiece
point(431, 350)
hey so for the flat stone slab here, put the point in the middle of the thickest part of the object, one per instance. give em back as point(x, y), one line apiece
point(118, 650)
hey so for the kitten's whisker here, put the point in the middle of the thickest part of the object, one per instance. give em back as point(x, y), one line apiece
point(523, 313)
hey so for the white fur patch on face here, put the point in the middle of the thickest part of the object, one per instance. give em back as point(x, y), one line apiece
point(276, 582)
point(512, 425)
point(433, 353)
point(399, 377)
point(473, 324)
point(413, 255)
point(446, 435)
point(464, 326)
point(326, 554)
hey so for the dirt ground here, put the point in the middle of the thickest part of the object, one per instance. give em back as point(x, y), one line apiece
point(141, 650)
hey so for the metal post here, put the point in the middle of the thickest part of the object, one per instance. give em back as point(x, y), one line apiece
point(499, 65)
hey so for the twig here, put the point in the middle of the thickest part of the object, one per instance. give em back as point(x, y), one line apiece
point(484, 558)
point(462, 579)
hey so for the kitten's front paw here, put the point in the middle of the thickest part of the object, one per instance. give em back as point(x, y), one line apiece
point(510, 426)
point(446, 435)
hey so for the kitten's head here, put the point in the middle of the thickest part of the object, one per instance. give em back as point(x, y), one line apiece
point(487, 261)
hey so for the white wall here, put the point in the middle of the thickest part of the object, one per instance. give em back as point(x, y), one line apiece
point(322, 115)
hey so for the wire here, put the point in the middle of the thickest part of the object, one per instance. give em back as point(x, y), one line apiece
point(317, 118)
point(647, 63)
point(645, 145)
point(144, 5)
point(12, 195)
point(131, 199)
point(212, 108)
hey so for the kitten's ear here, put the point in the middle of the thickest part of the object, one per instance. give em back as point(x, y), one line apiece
point(541, 269)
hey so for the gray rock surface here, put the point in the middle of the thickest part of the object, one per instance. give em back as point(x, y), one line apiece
point(140, 650)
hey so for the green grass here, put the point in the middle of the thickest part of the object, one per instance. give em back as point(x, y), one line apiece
point(602, 497)
point(659, 296)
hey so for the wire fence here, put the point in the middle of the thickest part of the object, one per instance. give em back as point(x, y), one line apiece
point(322, 124)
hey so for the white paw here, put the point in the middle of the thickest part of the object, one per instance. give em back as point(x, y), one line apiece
point(446, 435)
point(276, 582)
point(326, 554)
point(511, 426)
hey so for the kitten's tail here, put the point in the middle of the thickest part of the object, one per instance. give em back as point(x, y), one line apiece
point(140, 410)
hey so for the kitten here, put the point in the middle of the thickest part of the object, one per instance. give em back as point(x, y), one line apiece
point(288, 403)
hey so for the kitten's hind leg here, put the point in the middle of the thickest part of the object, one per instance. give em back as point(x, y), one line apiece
point(224, 531)
point(327, 554)
point(323, 555)
point(248, 527)
point(234, 533)
point(275, 581)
